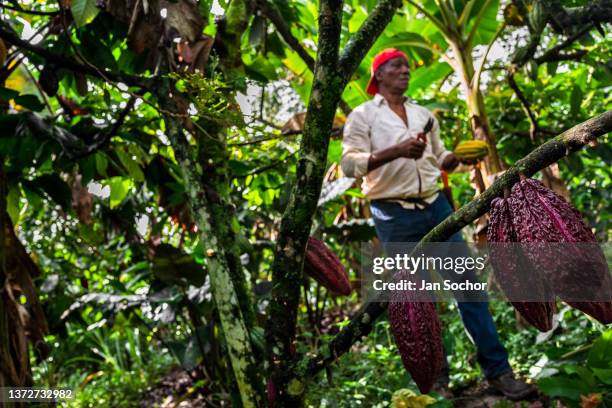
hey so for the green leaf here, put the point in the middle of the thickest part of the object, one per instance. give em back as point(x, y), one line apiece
point(171, 265)
point(425, 76)
point(12, 203)
point(575, 100)
point(562, 386)
point(260, 68)
point(604, 375)
point(54, 187)
point(132, 167)
point(107, 98)
point(30, 102)
point(7, 94)
point(417, 48)
point(83, 11)
point(258, 31)
point(599, 356)
point(239, 167)
point(484, 24)
point(356, 19)
point(334, 152)
point(101, 163)
point(120, 187)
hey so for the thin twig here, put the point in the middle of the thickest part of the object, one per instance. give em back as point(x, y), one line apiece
point(533, 122)
point(554, 53)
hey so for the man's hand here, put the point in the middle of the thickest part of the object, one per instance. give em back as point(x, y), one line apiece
point(450, 162)
point(469, 161)
point(410, 149)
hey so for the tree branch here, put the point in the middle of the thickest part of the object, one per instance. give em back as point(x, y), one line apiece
point(548, 153)
point(295, 225)
point(554, 54)
point(360, 43)
point(329, 82)
point(271, 12)
point(566, 19)
point(533, 122)
point(574, 56)
point(63, 62)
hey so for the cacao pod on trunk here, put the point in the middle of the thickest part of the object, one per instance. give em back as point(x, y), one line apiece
point(323, 265)
point(510, 269)
point(416, 330)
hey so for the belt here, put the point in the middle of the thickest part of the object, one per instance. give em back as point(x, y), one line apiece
point(417, 201)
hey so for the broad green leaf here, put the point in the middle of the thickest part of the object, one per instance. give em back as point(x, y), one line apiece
point(30, 102)
point(562, 386)
point(424, 77)
point(483, 20)
point(334, 151)
point(54, 187)
point(358, 17)
point(258, 31)
point(575, 100)
point(130, 164)
point(12, 203)
point(260, 68)
point(120, 187)
point(416, 47)
point(239, 167)
point(101, 163)
point(604, 375)
point(7, 94)
point(83, 11)
point(599, 356)
point(171, 265)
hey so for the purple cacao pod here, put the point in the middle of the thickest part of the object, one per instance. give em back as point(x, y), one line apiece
point(416, 330)
point(323, 265)
point(562, 246)
point(511, 271)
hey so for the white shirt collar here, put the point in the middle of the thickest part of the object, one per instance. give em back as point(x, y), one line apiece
point(379, 99)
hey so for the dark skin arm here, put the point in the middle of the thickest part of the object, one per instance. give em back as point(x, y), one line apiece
point(410, 149)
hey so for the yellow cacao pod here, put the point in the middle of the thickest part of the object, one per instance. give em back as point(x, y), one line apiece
point(472, 149)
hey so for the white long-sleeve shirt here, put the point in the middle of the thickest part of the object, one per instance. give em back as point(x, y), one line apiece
point(373, 126)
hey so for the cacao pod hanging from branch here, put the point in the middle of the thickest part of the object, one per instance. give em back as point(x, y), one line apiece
point(323, 265)
point(557, 248)
point(416, 330)
point(510, 269)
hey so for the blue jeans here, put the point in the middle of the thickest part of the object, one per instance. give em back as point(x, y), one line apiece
point(394, 223)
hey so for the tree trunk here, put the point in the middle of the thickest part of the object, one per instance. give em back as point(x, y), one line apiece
point(222, 282)
point(479, 122)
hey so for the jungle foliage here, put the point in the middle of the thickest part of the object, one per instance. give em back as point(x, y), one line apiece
point(162, 164)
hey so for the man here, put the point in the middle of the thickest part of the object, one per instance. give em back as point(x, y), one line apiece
point(400, 173)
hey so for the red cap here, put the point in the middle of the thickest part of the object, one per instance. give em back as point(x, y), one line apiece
point(380, 58)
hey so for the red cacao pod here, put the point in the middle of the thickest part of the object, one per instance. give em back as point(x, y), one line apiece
point(574, 267)
point(510, 269)
point(323, 265)
point(416, 330)
point(271, 393)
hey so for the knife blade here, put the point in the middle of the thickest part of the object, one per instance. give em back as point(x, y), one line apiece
point(422, 136)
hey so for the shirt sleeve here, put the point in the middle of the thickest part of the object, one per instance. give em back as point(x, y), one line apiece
point(437, 146)
point(355, 145)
